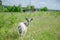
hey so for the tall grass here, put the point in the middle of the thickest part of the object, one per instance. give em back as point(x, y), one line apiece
point(45, 25)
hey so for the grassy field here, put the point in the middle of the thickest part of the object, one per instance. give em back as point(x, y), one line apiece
point(45, 25)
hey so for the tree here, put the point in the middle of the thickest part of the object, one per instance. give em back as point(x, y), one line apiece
point(13, 9)
point(0, 2)
point(9, 8)
point(1, 7)
point(19, 8)
point(16, 8)
point(44, 9)
point(30, 8)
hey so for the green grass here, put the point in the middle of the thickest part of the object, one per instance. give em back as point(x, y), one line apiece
point(45, 25)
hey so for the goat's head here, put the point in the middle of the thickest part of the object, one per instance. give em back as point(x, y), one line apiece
point(29, 19)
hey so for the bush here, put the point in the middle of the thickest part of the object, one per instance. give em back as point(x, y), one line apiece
point(5, 10)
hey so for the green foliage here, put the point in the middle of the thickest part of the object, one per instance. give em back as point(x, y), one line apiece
point(16, 9)
point(1, 8)
point(5, 10)
point(13, 9)
point(9, 8)
point(30, 8)
point(44, 9)
point(19, 8)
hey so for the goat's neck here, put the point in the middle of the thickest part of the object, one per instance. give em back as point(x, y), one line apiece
point(27, 23)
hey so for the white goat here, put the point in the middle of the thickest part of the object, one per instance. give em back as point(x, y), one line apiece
point(22, 26)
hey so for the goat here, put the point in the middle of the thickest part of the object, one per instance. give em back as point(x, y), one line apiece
point(22, 26)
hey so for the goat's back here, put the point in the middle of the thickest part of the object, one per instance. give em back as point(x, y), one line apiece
point(22, 26)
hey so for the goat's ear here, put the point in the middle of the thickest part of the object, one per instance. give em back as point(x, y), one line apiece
point(26, 18)
point(31, 18)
